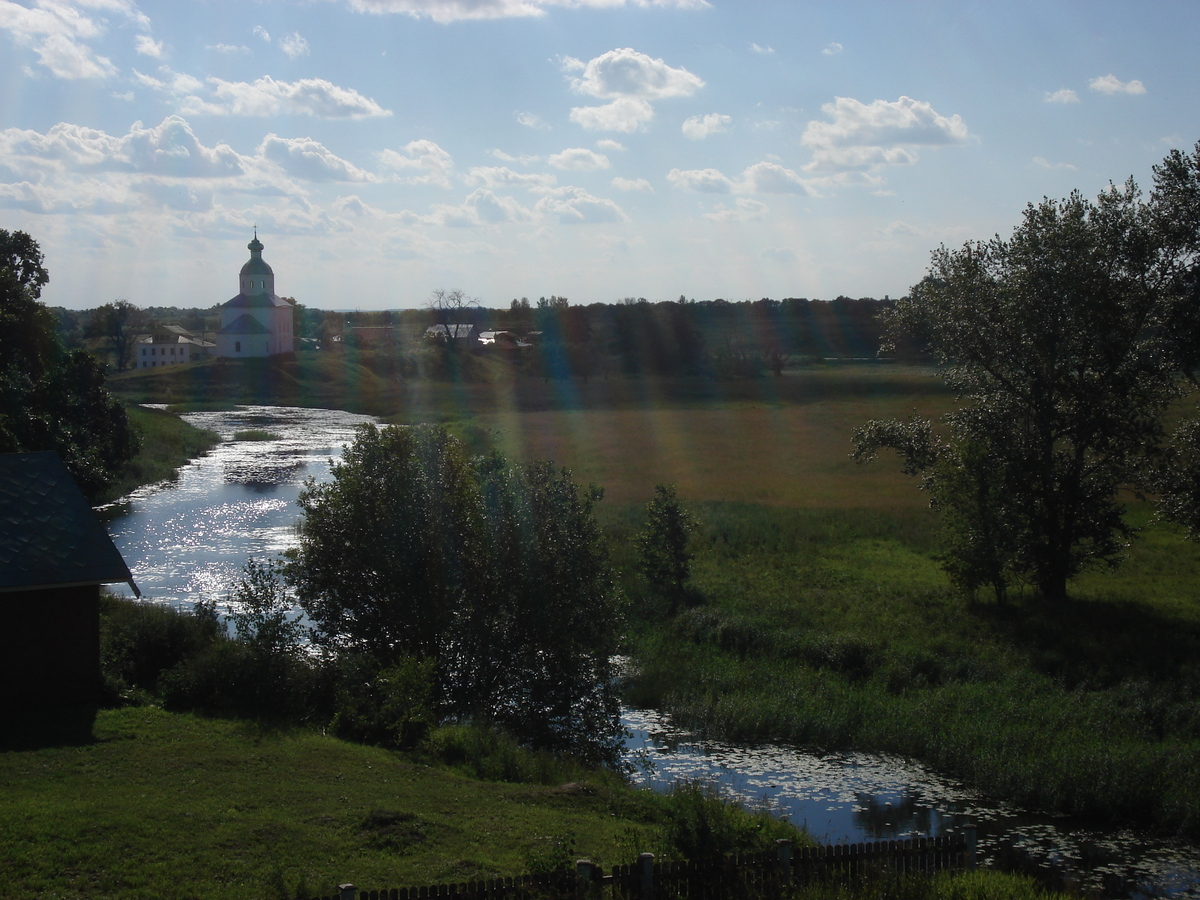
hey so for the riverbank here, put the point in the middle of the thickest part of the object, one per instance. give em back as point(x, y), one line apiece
point(837, 629)
point(828, 620)
point(168, 442)
point(163, 804)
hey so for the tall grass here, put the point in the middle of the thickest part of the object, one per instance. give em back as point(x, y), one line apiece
point(168, 442)
point(839, 630)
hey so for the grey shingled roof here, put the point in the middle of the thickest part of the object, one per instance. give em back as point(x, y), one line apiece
point(255, 301)
point(48, 534)
point(245, 324)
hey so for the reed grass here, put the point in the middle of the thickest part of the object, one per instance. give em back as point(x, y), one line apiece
point(839, 630)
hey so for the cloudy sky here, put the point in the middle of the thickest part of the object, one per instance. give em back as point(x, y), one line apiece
point(590, 148)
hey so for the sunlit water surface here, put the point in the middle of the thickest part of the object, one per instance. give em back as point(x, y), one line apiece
point(189, 540)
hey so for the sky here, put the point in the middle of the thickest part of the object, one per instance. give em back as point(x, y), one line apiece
point(593, 149)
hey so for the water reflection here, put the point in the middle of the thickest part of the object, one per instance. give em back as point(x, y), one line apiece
point(856, 797)
point(188, 540)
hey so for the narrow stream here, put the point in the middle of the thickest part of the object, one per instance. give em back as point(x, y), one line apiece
point(188, 540)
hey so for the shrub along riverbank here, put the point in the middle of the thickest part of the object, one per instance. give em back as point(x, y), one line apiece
point(838, 629)
point(167, 442)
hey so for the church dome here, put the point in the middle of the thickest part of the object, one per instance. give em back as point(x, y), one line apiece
point(256, 276)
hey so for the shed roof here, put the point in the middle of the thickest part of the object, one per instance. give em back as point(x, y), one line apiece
point(49, 535)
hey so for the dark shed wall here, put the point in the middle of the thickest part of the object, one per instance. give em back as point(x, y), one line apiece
point(50, 647)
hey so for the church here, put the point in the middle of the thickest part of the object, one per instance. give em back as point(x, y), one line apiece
point(256, 322)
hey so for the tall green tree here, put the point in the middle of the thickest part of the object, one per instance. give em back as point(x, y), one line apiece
point(52, 399)
point(493, 574)
point(1062, 341)
point(663, 546)
point(118, 324)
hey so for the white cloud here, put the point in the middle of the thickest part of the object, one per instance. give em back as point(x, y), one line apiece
point(627, 73)
point(508, 157)
point(502, 176)
point(493, 209)
point(743, 210)
point(699, 127)
point(779, 254)
point(170, 149)
point(444, 11)
point(261, 32)
point(1111, 84)
point(610, 144)
point(760, 178)
point(625, 115)
point(46, 17)
point(833, 48)
point(626, 184)
point(353, 205)
point(863, 136)
point(579, 159)
point(178, 84)
point(90, 197)
point(529, 120)
point(899, 228)
point(147, 46)
point(758, 49)
point(432, 162)
point(309, 159)
point(575, 206)
point(706, 181)
point(182, 196)
point(771, 178)
point(70, 59)
point(1062, 95)
point(227, 49)
point(294, 45)
point(268, 97)
point(1045, 164)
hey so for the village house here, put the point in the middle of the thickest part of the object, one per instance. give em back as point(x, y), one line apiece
point(169, 345)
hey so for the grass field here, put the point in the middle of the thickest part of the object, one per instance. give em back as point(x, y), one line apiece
point(170, 805)
point(827, 618)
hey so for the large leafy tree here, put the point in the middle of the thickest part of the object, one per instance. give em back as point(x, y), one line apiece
point(118, 325)
point(52, 399)
point(1063, 341)
point(493, 573)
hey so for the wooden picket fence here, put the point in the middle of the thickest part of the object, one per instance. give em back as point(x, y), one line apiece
point(749, 875)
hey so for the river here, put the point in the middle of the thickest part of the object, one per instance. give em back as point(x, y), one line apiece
point(188, 540)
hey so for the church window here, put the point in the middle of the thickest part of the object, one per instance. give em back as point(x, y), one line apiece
point(237, 346)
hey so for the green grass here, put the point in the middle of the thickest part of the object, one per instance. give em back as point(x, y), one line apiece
point(838, 629)
point(255, 434)
point(828, 618)
point(167, 443)
point(163, 804)
point(171, 805)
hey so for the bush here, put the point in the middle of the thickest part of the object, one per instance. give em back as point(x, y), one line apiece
point(139, 641)
point(701, 825)
point(390, 706)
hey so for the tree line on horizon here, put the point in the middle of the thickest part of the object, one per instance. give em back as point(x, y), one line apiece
point(716, 338)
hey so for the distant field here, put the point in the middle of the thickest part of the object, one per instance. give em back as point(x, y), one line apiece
point(776, 441)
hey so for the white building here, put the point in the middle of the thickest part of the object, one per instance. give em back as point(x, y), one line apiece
point(256, 322)
point(169, 345)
